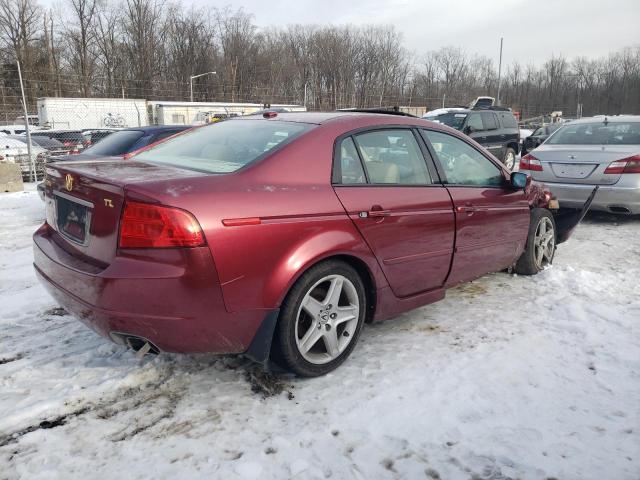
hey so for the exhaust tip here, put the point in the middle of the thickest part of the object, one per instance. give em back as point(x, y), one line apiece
point(134, 342)
point(616, 209)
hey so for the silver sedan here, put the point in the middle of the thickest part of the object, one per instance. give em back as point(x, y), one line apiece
point(602, 151)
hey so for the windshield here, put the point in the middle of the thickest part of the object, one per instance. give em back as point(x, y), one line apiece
point(453, 119)
point(117, 143)
point(601, 133)
point(225, 146)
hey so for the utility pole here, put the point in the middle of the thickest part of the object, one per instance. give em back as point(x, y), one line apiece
point(499, 72)
point(32, 161)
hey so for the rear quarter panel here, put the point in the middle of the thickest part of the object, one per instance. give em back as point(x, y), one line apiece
point(302, 221)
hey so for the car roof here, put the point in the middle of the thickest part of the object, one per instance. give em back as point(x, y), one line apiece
point(610, 119)
point(320, 118)
point(156, 128)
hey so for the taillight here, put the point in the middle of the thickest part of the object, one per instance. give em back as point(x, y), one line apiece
point(150, 226)
point(626, 165)
point(529, 162)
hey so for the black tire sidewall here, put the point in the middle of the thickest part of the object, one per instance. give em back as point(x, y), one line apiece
point(526, 264)
point(286, 350)
point(506, 154)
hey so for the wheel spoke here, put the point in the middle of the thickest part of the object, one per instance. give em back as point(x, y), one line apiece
point(539, 254)
point(331, 342)
point(310, 338)
point(311, 305)
point(345, 314)
point(335, 290)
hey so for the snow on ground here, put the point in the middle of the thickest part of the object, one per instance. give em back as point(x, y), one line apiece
point(508, 377)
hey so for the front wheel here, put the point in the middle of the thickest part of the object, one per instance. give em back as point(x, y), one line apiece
point(320, 320)
point(541, 243)
point(509, 158)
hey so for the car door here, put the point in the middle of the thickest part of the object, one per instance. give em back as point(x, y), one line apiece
point(494, 141)
point(492, 219)
point(387, 188)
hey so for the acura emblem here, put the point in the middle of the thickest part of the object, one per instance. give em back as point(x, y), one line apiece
point(68, 182)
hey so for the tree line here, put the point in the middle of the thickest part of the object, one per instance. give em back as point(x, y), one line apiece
point(150, 48)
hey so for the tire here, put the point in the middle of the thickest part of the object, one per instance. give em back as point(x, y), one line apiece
point(541, 245)
point(509, 158)
point(310, 346)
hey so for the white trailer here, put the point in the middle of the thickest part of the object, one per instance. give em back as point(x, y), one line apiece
point(193, 113)
point(84, 113)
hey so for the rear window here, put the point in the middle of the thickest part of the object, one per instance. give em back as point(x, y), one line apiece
point(117, 143)
point(600, 133)
point(225, 146)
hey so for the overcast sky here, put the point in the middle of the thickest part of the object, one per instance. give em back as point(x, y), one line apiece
point(533, 30)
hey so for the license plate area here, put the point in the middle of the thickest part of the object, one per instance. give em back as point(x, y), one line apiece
point(73, 218)
point(573, 170)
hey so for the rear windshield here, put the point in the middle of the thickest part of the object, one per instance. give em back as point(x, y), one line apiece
point(117, 143)
point(452, 119)
point(225, 146)
point(601, 133)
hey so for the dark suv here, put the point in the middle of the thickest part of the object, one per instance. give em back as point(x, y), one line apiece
point(495, 128)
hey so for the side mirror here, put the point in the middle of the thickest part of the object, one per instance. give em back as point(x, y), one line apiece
point(468, 129)
point(519, 180)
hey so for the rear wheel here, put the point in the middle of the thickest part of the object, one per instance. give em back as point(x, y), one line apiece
point(541, 243)
point(320, 320)
point(509, 159)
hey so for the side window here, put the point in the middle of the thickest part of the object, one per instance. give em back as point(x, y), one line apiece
point(508, 120)
point(475, 122)
point(489, 121)
point(463, 164)
point(350, 165)
point(392, 156)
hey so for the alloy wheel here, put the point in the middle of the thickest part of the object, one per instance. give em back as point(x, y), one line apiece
point(544, 243)
point(327, 319)
point(510, 160)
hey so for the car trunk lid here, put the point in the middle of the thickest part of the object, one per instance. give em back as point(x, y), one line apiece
point(84, 202)
point(580, 163)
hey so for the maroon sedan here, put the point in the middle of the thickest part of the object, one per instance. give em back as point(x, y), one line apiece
point(278, 237)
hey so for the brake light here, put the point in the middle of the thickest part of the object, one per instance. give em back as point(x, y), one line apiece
point(626, 165)
point(529, 162)
point(151, 226)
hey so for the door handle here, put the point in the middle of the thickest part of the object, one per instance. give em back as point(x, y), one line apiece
point(376, 211)
point(379, 213)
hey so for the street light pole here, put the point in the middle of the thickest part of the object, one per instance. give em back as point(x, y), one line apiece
point(191, 82)
point(32, 161)
point(499, 72)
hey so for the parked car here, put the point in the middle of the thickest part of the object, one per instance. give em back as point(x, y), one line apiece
point(128, 140)
point(122, 143)
point(602, 151)
point(69, 138)
point(54, 147)
point(16, 151)
point(17, 129)
point(495, 128)
point(95, 135)
point(279, 236)
point(538, 136)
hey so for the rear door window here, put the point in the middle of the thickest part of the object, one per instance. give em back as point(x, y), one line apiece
point(475, 122)
point(489, 121)
point(392, 157)
point(226, 146)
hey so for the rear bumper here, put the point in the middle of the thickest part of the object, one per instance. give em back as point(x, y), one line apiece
point(171, 297)
point(623, 197)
